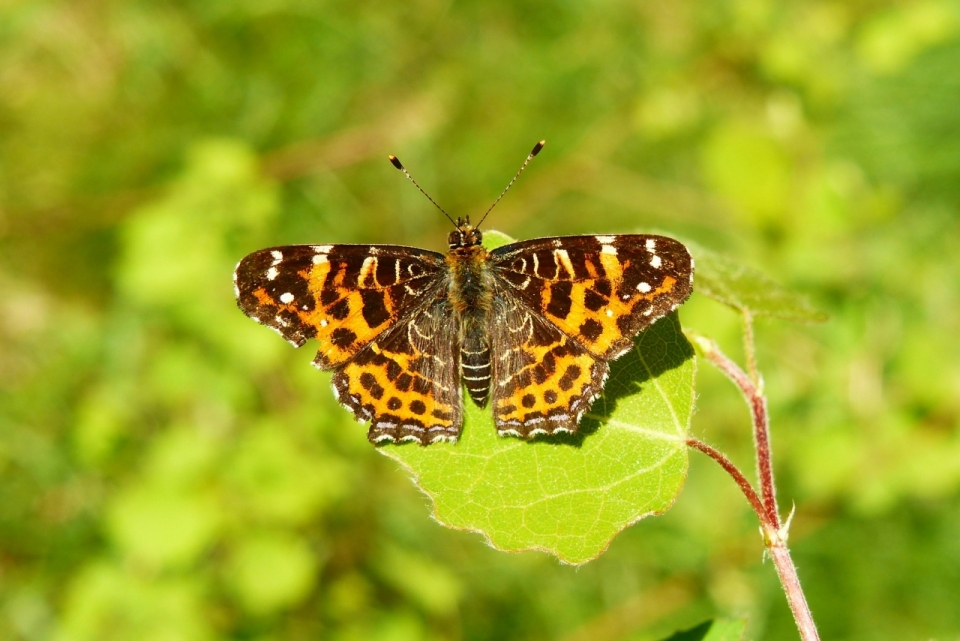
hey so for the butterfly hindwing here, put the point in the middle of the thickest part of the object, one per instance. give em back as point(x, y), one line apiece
point(543, 381)
point(598, 290)
point(406, 382)
point(342, 295)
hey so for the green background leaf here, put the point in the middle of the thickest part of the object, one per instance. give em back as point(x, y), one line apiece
point(746, 289)
point(570, 495)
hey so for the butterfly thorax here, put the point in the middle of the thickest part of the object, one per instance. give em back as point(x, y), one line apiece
point(470, 294)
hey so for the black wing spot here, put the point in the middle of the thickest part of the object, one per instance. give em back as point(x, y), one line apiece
point(417, 407)
point(560, 301)
point(591, 330)
point(342, 337)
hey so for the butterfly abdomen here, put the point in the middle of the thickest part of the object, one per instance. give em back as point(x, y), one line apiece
point(471, 299)
point(475, 367)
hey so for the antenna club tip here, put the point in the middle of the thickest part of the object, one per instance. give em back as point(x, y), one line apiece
point(396, 163)
point(537, 147)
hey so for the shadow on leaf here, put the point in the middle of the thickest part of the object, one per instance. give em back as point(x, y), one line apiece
point(658, 349)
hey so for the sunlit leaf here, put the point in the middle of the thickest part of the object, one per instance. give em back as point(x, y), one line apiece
point(570, 496)
point(716, 630)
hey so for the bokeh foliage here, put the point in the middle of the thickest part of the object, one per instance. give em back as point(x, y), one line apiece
point(170, 470)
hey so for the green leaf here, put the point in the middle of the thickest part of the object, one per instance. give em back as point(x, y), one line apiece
point(493, 239)
point(570, 495)
point(747, 290)
point(717, 630)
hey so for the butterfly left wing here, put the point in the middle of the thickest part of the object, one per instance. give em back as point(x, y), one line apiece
point(342, 295)
point(543, 381)
point(571, 305)
point(598, 290)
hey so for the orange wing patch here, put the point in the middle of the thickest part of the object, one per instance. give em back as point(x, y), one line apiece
point(342, 295)
point(600, 290)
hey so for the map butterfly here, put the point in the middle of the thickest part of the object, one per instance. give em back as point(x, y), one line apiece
point(529, 328)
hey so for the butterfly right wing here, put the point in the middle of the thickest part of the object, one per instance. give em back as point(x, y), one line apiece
point(342, 295)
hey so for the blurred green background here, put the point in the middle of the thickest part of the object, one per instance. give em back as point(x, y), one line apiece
point(169, 470)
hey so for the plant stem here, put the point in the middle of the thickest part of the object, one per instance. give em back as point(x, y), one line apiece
point(733, 471)
point(787, 572)
point(761, 428)
point(749, 350)
point(774, 534)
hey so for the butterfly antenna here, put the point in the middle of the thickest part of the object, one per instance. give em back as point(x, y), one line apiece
point(536, 150)
point(398, 165)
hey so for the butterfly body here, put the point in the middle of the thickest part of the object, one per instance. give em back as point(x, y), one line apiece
point(529, 328)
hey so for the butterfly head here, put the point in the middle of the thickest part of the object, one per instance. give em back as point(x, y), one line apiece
point(465, 235)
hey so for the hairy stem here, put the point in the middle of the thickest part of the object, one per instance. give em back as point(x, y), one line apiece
point(761, 428)
point(765, 504)
point(749, 350)
point(733, 471)
point(787, 572)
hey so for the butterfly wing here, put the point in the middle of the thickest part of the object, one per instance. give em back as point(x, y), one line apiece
point(342, 295)
point(598, 290)
point(543, 381)
point(576, 303)
point(406, 381)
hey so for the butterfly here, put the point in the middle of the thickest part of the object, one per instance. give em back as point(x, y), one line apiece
point(529, 328)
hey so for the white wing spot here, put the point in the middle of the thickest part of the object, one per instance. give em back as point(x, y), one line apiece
point(272, 273)
point(608, 249)
point(319, 258)
point(286, 298)
point(369, 266)
point(655, 262)
point(610, 313)
point(643, 287)
point(606, 240)
point(651, 244)
point(277, 257)
point(648, 311)
point(322, 249)
point(563, 258)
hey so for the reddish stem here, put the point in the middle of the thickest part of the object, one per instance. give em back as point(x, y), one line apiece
point(774, 533)
point(733, 471)
point(787, 572)
point(761, 429)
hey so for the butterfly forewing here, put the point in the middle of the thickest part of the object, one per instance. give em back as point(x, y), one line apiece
point(598, 290)
point(342, 295)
